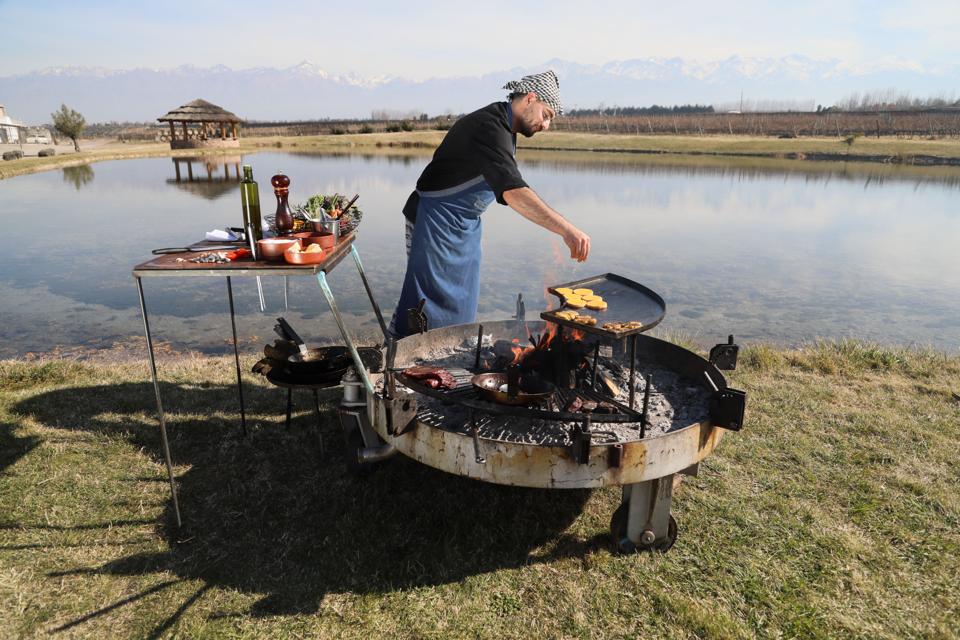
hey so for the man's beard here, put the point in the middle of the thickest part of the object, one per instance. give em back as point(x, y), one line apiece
point(526, 129)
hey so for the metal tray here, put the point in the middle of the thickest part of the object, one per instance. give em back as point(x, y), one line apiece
point(626, 301)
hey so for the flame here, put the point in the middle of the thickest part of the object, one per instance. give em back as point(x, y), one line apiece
point(519, 354)
point(551, 329)
point(577, 335)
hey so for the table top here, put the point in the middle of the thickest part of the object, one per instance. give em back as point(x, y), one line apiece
point(168, 265)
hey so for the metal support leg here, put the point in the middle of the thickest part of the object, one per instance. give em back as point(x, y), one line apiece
point(649, 524)
point(289, 405)
point(357, 362)
point(633, 368)
point(263, 306)
point(160, 414)
point(316, 403)
point(286, 293)
point(236, 356)
point(366, 285)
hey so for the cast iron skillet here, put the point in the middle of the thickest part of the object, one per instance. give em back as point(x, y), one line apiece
point(532, 390)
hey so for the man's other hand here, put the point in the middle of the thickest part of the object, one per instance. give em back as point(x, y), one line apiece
point(579, 244)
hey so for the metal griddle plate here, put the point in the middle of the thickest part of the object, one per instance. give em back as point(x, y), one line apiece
point(626, 301)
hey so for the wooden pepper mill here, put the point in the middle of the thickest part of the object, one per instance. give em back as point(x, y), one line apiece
point(284, 217)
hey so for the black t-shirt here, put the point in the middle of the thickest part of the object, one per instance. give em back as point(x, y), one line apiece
point(478, 144)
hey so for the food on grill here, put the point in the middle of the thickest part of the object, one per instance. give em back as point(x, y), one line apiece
point(588, 320)
point(583, 292)
point(596, 305)
point(575, 302)
point(623, 326)
point(433, 377)
point(567, 314)
point(592, 297)
point(564, 291)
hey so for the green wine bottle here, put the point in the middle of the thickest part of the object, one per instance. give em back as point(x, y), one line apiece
point(250, 198)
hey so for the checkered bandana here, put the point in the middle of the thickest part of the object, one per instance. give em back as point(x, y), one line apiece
point(545, 85)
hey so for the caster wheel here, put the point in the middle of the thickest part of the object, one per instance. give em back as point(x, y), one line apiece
point(623, 545)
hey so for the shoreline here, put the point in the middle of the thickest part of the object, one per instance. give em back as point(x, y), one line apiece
point(900, 152)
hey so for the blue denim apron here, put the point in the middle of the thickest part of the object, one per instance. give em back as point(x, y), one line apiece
point(443, 267)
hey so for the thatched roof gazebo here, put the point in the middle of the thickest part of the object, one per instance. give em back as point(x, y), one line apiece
point(200, 123)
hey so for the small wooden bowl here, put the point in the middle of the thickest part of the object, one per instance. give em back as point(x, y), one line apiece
point(298, 257)
point(273, 248)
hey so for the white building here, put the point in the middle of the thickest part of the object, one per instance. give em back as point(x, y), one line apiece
point(11, 131)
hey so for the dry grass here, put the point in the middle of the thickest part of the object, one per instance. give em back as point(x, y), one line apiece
point(834, 513)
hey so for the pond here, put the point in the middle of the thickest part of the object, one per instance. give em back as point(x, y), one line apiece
point(781, 252)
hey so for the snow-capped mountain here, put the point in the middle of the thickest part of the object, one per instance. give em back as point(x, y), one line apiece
point(309, 91)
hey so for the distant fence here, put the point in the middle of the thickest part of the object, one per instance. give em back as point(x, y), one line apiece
point(829, 123)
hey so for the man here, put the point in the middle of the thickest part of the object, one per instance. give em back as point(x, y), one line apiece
point(473, 166)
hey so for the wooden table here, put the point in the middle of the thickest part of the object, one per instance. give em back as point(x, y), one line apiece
point(177, 265)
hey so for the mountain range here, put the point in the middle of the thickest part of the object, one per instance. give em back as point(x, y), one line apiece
point(307, 91)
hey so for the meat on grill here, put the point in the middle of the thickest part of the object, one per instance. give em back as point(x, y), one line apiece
point(433, 377)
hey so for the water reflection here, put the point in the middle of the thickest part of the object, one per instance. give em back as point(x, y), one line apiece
point(743, 169)
point(776, 251)
point(79, 176)
point(214, 177)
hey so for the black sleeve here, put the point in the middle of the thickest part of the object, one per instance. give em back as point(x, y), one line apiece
point(495, 158)
point(410, 208)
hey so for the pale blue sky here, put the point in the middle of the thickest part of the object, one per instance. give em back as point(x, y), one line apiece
point(421, 40)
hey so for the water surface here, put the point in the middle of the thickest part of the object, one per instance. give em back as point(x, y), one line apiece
point(779, 252)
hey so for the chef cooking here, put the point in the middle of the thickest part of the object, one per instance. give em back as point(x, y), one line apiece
point(473, 166)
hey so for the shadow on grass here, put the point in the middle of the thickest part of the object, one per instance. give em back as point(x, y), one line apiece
point(13, 448)
point(268, 515)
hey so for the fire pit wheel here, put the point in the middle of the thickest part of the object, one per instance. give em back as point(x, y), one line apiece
point(623, 545)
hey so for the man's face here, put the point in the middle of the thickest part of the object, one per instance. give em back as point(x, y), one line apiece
point(537, 116)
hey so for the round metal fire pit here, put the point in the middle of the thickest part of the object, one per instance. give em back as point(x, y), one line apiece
point(461, 438)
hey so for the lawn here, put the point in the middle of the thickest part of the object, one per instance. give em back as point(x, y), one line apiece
point(834, 513)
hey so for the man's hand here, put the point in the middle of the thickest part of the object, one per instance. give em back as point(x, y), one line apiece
point(578, 242)
point(524, 201)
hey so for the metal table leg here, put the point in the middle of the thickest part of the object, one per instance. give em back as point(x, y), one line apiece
point(366, 285)
point(160, 414)
point(236, 356)
point(357, 362)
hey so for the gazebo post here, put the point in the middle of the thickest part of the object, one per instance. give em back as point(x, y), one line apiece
point(223, 132)
point(173, 135)
point(186, 136)
point(234, 130)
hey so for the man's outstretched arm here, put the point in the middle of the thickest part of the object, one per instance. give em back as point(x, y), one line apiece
point(527, 203)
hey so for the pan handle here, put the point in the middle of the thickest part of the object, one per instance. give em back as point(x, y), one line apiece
point(290, 333)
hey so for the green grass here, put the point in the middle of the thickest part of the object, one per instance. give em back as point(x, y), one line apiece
point(834, 513)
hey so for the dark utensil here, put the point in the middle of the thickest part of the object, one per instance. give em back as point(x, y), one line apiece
point(532, 390)
point(349, 204)
point(197, 249)
point(292, 335)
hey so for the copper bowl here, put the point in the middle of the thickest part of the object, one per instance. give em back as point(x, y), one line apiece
point(273, 248)
point(293, 256)
point(325, 240)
